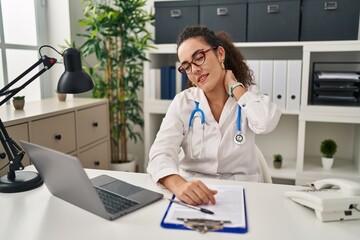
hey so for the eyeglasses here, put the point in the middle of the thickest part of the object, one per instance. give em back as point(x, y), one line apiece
point(197, 60)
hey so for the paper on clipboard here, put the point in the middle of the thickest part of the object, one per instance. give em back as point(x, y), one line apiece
point(230, 206)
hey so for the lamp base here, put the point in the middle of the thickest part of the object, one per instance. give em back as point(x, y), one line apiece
point(24, 181)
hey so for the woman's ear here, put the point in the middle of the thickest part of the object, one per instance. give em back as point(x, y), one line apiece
point(221, 53)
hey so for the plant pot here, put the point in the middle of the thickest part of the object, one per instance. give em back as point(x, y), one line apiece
point(61, 97)
point(19, 104)
point(129, 166)
point(277, 164)
point(327, 162)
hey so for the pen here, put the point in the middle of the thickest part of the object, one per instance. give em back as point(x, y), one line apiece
point(191, 206)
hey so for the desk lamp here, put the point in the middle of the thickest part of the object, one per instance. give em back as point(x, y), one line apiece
point(73, 80)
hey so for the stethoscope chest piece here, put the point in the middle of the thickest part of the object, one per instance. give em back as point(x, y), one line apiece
point(239, 138)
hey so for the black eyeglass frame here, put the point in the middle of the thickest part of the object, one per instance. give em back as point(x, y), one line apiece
point(182, 70)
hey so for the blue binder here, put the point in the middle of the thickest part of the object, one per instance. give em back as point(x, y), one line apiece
point(168, 82)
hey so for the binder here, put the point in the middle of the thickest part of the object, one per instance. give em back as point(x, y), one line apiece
point(293, 85)
point(154, 82)
point(254, 65)
point(238, 201)
point(168, 87)
point(266, 77)
point(279, 83)
point(172, 90)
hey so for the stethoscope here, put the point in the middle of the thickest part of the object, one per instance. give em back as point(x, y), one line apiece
point(239, 137)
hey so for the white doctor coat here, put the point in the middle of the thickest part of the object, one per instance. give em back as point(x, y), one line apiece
point(220, 156)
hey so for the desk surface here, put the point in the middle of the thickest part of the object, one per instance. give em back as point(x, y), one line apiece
point(37, 215)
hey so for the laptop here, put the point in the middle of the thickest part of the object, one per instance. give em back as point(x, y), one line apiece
point(104, 196)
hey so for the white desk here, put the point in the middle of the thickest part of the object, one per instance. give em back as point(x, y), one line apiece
point(37, 215)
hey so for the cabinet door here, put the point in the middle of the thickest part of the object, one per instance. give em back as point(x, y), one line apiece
point(92, 124)
point(96, 157)
point(56, 132)
point(16, 132)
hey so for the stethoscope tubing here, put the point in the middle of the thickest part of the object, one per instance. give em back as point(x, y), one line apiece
point(239, 138)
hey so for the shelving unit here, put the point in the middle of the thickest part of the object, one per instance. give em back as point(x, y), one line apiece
point(300, 132)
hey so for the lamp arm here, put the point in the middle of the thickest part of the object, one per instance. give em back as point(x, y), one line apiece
point(48, 63)
point(13, 151)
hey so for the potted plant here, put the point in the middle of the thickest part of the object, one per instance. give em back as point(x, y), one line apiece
point(116, 32)
point(277, 160)
point(19, 102)
point(328, 149)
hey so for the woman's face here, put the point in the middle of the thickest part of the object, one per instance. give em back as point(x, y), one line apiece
point(210, 74)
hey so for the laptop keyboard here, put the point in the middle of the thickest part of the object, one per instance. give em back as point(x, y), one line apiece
point(114, 203)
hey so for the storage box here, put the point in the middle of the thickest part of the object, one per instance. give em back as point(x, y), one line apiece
point(270, 20)
point(225, 15)
point(330, 20)
point(171, 17)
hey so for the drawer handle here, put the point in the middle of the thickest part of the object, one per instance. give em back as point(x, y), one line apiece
point(97, 163)
point(273, 8)
point(222, 11)
point(330, 6)
point(175, 13)
point(278, 96)
point(293, 97)
point(95, 124)
point(58, 136)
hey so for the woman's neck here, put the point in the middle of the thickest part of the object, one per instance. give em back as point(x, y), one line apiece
point(217, 100)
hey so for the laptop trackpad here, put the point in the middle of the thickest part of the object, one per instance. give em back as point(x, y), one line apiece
point(116, 186)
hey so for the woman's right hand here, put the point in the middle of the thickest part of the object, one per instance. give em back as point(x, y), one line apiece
point(192, 192)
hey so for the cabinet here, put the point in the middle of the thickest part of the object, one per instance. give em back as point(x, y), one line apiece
point(78, 126)
point(301, 129)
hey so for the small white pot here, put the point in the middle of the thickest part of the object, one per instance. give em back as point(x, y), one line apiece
point(327, 162)
point(129, 166)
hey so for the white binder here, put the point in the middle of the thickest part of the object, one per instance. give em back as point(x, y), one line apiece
point(279, 83)
point(266, 77)
point(254, 65)
point(154, 82)
point(293, 85)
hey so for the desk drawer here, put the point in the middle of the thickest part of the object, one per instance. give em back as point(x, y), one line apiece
point(56, 132)
point(96, 157)
point(92, 124)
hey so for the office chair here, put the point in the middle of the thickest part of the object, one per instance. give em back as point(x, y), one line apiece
point(263, 166)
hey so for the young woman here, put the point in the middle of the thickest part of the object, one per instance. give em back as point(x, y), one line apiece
point(214, 122)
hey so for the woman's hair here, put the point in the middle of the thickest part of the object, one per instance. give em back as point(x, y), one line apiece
point(234, 60)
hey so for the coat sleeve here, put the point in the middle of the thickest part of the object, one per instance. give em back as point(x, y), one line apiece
point(262, 114)
point(163, 155)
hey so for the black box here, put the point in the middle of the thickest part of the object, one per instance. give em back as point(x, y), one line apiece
point(171, 17)
point(271, 21)
point(225, 15)
point(329, 20)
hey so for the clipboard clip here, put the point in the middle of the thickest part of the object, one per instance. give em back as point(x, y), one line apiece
point(203, 225)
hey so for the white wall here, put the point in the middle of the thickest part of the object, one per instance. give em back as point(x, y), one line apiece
point(58, 22)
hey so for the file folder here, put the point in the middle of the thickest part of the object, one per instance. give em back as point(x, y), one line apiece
point(293, 85)
point(266, 77)
point(279, 83)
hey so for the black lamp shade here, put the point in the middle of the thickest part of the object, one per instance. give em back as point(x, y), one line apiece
point(74, 79)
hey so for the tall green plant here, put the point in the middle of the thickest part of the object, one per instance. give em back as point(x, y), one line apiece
point(116, 32)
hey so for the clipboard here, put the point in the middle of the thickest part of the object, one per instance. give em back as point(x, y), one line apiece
point(169, 224)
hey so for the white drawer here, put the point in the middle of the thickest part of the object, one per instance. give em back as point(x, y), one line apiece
point(96, 157)
point(92, 124)
point(56, 132)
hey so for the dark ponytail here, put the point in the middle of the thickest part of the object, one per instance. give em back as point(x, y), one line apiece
point(234, 60)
